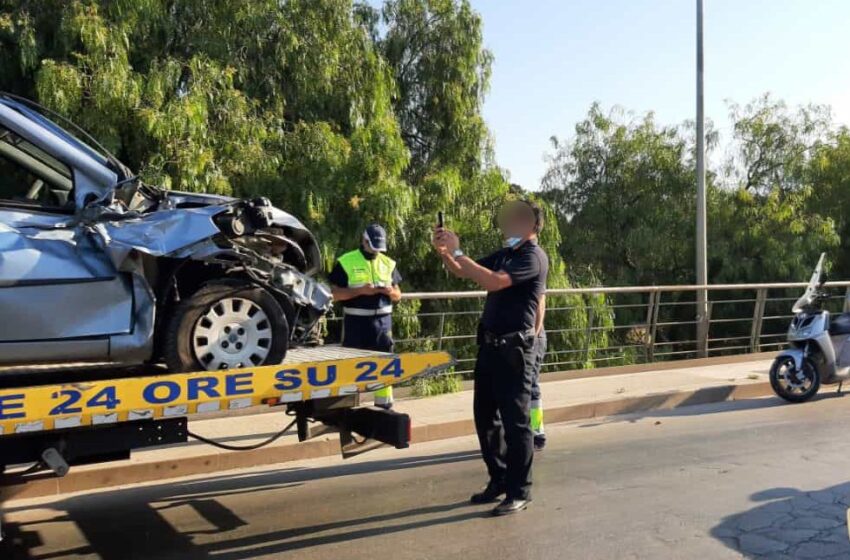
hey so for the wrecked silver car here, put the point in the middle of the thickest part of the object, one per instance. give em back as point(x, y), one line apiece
point(95, 265)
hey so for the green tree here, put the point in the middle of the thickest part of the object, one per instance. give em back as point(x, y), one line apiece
point(772, 237)
point(772, 144)
point(765, 224)
point(829, 174)
point(434, 48)
point(620, 186)
point(624, 191)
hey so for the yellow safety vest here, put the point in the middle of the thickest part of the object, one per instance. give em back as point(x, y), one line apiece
point(361, 271)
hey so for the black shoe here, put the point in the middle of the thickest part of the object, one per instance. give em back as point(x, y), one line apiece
point(491, 493)
point(539, 442)
point(511, 505)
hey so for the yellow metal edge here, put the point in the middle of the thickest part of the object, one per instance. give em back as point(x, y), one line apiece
point(50, 407)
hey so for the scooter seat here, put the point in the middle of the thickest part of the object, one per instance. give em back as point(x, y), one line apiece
point(839, 324)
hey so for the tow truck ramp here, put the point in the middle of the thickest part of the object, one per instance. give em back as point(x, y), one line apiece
point(88, 418)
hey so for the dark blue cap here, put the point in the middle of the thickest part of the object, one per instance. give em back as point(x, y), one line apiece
point(375, 237)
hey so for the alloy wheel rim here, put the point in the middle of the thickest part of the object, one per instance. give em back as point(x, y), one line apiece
point(792, 380)
point(232, 333)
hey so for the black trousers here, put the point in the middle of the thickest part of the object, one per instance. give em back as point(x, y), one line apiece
point(501, 402)
point(368, 333)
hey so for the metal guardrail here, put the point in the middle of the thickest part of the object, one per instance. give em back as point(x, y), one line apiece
point(603, 326)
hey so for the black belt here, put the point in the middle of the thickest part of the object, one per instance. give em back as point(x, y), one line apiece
point(517, 338)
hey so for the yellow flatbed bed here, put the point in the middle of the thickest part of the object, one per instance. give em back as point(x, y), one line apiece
point(306, 374)
point(54, 417)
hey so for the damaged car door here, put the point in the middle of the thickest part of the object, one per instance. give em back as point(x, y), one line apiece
point(61, 296)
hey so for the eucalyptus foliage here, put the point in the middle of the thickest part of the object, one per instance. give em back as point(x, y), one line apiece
point(624, 189)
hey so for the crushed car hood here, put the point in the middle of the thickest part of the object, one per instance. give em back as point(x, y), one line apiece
point(183, 230)
point(209, 205)
point(183, 199)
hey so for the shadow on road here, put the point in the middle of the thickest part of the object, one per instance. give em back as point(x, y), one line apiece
point(791, 524)
point(129, 523)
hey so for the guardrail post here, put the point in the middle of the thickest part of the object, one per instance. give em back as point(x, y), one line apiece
point(588, 332)
point(654, 333)
point(758, 320)
point(651, 320)
point(704, 331)
point(441, 331)
point(703, 321)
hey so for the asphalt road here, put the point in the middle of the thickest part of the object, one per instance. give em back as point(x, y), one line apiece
point(753, 479)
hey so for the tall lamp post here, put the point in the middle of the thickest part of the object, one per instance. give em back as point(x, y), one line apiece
point(701, 240)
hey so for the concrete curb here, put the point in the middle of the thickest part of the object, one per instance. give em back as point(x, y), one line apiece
point(110, 475)
point(407, 392)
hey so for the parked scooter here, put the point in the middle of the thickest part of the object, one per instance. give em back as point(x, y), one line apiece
point(819, 351)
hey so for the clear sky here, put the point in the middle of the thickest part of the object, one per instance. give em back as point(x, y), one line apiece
point(554, 58)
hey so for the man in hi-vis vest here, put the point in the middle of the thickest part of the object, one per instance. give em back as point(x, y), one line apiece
point(366, 282)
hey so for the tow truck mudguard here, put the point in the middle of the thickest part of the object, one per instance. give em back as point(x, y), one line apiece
point(386, 426)
point(374, 426)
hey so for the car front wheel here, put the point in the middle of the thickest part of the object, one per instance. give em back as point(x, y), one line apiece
point(224, 326)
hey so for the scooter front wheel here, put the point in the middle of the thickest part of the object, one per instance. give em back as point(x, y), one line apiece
point(793, 384)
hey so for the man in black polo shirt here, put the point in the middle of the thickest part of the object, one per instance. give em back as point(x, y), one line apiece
point(515, 279)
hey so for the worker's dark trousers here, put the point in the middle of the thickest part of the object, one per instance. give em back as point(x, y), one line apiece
point(369, 333)
point(501, 407)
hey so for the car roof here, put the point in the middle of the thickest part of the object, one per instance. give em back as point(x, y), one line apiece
point(54, 128)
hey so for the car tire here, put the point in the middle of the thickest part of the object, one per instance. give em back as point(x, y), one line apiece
point(226, 325)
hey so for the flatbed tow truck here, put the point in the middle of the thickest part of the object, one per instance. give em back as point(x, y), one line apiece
point(53, 419)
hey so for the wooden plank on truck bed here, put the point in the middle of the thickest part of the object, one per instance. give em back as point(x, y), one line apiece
point(308, 373)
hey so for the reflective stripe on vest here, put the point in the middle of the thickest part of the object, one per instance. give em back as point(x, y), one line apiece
point(384, 396)
point(359, 312)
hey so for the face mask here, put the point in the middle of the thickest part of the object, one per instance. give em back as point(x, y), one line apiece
point(512, 242)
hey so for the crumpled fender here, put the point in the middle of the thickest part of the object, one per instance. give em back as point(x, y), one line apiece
point(173, 231)
point(303, 236)
point(158, 233)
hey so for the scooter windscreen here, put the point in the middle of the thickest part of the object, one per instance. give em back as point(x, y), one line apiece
point(810, 294)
